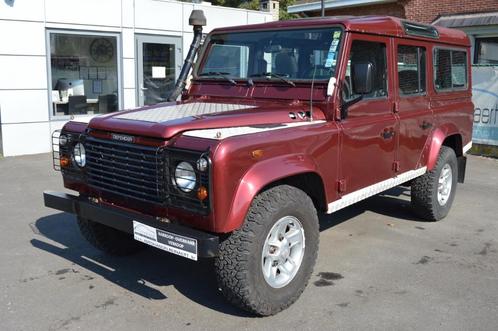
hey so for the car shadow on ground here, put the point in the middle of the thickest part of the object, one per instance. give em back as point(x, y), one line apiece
point(147, 272)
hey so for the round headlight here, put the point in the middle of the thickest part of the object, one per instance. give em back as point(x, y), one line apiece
point(79, 155)
point(202, 164)
point(185, 178)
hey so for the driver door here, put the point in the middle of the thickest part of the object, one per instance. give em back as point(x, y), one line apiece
point(368, 141)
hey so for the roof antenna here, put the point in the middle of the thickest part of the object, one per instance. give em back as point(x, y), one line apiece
point(310, 112)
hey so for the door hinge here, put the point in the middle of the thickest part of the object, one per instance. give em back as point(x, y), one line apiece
point(396, 166)
point(341, 185)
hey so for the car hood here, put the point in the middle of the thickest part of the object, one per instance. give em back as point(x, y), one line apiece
point(169, 119)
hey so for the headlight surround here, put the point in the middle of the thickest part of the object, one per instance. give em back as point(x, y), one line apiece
point(79, 154)
point(185, 178)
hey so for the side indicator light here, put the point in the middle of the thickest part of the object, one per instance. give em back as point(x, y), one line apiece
point(65, 162)
point(257, 154)
point(202, 193)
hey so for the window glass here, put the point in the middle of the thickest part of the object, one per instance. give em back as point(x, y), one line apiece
point(450, 69)
point(84, 74)
point(458, 68)
point(375, 53)
point(486, 50)
point(296, 54)
point(411, 70)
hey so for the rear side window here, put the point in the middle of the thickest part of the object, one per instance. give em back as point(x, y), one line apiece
point(450, 69)
point(411, 70)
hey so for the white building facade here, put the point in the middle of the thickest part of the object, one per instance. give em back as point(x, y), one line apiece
point(74, 59)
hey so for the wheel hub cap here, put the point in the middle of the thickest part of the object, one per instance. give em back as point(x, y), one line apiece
point(283, 252)
point(445, 182)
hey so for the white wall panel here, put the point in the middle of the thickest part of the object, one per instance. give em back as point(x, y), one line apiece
point(30, 138)
point(13, 37)
point(23, 106)
point(31, 10)
point(129, 73)
point(23, 72)
point(127, 13)
point(159, 15)
point(93, 12)
point(128, 40)
point(129, 98)
point(255, 18)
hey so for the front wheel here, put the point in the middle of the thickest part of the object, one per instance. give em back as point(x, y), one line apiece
point(264, 266)
point(433, 193)
point(108, 240)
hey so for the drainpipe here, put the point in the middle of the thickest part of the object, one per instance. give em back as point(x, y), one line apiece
point(197, 20)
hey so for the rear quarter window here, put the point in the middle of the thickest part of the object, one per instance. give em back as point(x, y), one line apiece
point(450, 69)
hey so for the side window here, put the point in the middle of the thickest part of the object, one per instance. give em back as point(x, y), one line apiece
point(375, 53)
point(450, 69)
point(411, 70)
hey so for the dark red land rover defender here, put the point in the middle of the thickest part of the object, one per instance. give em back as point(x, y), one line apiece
point(279, 122)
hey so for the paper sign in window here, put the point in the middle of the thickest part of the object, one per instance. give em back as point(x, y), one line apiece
point(158, 72)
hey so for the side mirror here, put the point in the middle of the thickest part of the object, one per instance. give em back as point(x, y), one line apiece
point(362, 77)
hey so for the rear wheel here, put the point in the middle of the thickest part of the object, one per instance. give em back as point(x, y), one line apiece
point(433, 193)
point(108, 240)
point(264, 266)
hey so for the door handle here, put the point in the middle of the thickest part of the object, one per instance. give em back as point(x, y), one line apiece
point(425, 125)
point(388, 133)
point(143, 88)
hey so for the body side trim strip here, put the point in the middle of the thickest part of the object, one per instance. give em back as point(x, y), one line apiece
point(467, 147)
point(374, 189)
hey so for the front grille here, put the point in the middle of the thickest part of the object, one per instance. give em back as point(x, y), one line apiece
point(129, 170)
point(142, 173)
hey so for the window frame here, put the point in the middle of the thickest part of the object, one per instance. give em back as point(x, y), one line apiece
point(119, 68)
point(204, 51)
point(387, 44)
point(419, 72)
point(451, 49)
point(478, 39)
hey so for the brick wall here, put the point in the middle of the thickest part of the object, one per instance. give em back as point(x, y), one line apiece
point(426, 11)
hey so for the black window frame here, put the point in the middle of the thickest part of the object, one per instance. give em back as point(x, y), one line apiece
point(477, 43)
point(451, 50)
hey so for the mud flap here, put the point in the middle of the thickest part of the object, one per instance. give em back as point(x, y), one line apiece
point(462, 164)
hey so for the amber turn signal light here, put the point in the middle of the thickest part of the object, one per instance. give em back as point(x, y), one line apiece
point(257, 154)
point(65, 162)
point(202, 193)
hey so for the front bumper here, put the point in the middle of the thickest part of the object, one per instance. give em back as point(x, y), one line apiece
point(123, 220)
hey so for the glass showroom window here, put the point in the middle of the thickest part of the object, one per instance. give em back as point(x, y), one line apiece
point(84, 74)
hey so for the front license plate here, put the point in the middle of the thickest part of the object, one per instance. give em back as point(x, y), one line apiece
point(167, 241)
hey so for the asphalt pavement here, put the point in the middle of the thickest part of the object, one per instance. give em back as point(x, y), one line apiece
point(379, 268)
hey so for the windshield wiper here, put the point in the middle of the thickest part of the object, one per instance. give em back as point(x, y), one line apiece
point(219, 74)
point(271, 74)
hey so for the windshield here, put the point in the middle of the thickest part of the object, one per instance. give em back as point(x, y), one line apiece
point(288, 55)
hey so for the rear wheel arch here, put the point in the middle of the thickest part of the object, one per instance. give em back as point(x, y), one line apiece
point(443, 137)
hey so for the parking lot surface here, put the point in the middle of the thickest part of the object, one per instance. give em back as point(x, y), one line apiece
point(379, 268)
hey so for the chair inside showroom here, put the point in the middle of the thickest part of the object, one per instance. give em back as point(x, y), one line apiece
point(108, 103)
point(77, 104)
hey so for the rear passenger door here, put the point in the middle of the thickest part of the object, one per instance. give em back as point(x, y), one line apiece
point(368, 139)
point(412, 103)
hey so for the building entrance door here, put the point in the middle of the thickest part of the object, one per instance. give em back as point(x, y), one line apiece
point(158, 65)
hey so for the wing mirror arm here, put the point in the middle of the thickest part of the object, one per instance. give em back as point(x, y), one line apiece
point(345, 105)
point(362, 79)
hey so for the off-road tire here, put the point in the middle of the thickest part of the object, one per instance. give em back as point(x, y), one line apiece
point(424, 189)
point(238, 266)
point(108, 240)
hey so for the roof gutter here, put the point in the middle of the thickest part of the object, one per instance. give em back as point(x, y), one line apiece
point(333, 4)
